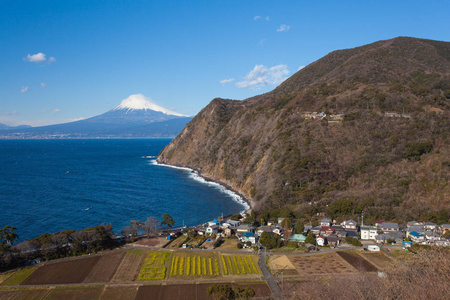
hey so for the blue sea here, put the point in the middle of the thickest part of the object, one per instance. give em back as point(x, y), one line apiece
point(48, 186)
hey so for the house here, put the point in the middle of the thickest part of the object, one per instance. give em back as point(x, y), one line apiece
point(213, 229)
point(316, 230)
point(333, 240)
point(444, 228)
point(320, 116)
point(431, 235)
point(382, 238)
point(297, 238)
point(321, 240)
point(350, 225)
point(228, 232)
point(352, 234)
point(214, 222)
point(244, 228)
point(342, 234)
point(388, 226)
point(277, 229)
point(368, 232)
point(430, 226)
point(280, 220)
point(325, 222)
point(201, 231)
point(231, 224)
point(326, 230)
point(260, 230)
point(417, 237)
point(338, 228)
point(248, 237)
point(418, 229)
point(413, 223)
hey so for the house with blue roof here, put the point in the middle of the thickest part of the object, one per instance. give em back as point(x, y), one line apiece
point(297, 238)
point(417, 237)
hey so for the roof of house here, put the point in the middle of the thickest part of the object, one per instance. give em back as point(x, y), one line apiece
point(316, 228)
point(430, 223)
point(416, 234)
point(368, 228)
point(297, 238)
point(445, 226)
point(265, 228)
point(349, 222)
point(352, 233)
point(416, 228)
point(232, 222)
point(332, 239)
point(326, 228)
point(338, 227)
point(325, 221)
point(389, 225)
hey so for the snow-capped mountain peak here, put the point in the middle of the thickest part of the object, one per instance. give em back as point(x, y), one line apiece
point(139, 101)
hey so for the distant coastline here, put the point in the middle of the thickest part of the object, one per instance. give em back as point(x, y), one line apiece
point(197, 175)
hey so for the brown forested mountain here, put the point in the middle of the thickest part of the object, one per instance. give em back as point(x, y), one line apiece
point(386, 152)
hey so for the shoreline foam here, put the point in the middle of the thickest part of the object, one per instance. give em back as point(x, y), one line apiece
point(194, 174)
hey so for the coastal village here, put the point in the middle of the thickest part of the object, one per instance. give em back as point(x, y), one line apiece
point(193, 262)
point(328, 233)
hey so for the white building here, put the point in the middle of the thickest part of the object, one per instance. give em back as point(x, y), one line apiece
point(368, 232)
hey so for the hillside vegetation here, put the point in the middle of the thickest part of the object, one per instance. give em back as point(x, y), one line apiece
point(392, 166)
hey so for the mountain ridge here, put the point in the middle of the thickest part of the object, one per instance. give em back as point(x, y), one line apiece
point(134, 118)
point(389, 101)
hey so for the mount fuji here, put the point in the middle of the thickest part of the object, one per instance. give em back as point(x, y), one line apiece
point(134, 117)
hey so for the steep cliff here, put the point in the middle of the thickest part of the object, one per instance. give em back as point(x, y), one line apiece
point(383, 144)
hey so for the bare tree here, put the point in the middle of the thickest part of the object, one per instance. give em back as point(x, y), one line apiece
point(150, 226)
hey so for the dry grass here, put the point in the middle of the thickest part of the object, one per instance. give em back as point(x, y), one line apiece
point(320, 264)
point(425, 276)
point(278, 263)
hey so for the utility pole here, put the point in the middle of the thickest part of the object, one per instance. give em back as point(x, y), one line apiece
point(362, 218)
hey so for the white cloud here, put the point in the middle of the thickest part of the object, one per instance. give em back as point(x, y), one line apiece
point(261, 76)
point(24, 89)
point(256, 18)
point(9, 113)
point(301, 67)
point(39, 58)
point(56, 110)
point(225, 81)
point(43, 85)
point(261, 42)
point(45, 111)
point(283, 27)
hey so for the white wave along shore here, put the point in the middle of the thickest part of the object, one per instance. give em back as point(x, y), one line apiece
point(194, 175)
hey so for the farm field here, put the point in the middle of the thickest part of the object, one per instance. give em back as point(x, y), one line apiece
point(9, 295)
point(152, 242)
point(70, 271)
point(129, 268)
point(186, 265)
point(379, 259)
point(177, 242)
point(155, 266)
point(240, 265)
point(320, 264)
point(76, 293)
point(33, 294)
point(193, 291)
point(357, 261)
point(104, 270)
point(119, 293)
point(278, 263)
point(18, 277)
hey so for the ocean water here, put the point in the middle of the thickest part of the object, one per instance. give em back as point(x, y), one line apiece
point(51, 185)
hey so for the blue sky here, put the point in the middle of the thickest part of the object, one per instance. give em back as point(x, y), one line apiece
point(65, 60)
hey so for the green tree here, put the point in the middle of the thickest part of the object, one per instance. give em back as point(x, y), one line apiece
point(167, 221)
point(221, 292)
point(8, 236)
point(310, 239)
point(299, 227)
